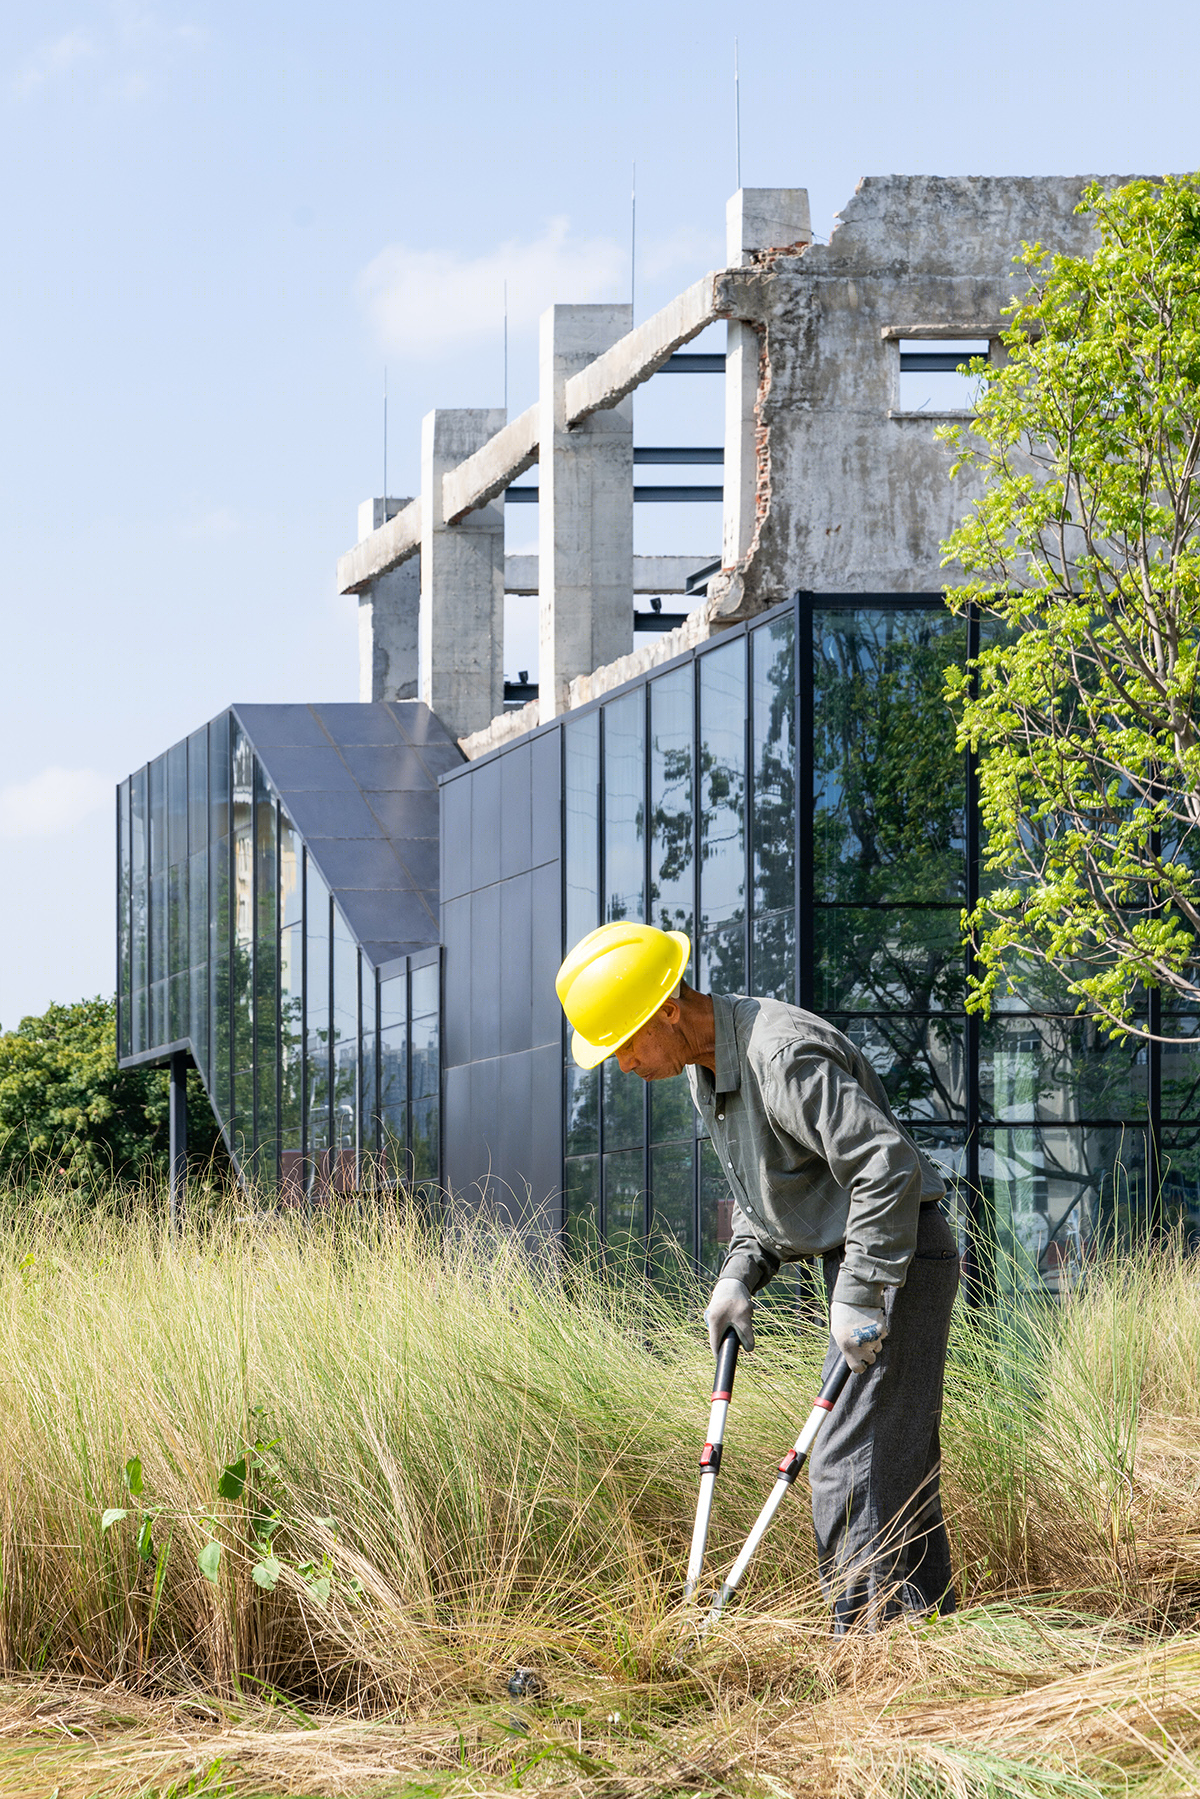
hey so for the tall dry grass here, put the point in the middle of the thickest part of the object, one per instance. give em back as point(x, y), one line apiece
point(470, 1463)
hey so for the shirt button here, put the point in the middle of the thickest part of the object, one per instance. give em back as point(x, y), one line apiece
point(721, 1116)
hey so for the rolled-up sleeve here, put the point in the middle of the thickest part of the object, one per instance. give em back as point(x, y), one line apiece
point(824, 1108)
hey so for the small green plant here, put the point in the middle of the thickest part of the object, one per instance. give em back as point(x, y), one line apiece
point(249, 1532)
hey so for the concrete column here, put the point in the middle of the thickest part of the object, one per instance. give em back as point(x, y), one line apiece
point(461, 636)
point(756, 219)
point(585, 499)
point(177, 1136)
point(387, 617)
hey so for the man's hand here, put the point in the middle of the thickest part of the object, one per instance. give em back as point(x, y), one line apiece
point(858, 1333)
point(730, 1307)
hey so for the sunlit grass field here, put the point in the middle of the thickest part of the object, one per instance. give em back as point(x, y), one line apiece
point(287, 1501)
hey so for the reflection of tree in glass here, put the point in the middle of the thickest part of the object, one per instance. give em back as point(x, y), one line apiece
point(889, 781)
point(671, 861)
point(774, 771)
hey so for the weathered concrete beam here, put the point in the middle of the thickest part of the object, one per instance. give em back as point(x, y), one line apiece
point(986, 327)
point(488, 472)
point(606, 381)
point(462, 581)
point(382, 550)
point(651, 574)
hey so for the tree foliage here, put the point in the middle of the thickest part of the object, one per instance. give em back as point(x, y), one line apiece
point(66, 1108)
point(1083, 557)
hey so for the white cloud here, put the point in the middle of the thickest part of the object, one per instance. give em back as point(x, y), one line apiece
point(127, 56)
point(55, 57)
point(424, 301)
point(53, 801)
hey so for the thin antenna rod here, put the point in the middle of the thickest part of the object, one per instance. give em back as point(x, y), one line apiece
point(737, 116)
point(506, 349)
point(385, 443)
point(633, 243)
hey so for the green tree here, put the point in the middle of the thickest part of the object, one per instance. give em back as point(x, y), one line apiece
point(1082, 555)
point(66, 1108)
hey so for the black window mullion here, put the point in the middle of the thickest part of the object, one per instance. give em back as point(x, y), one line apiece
point(648, 918)
point(805, 799)
point(978, 1251)
point(697, 785)
point(602, 910)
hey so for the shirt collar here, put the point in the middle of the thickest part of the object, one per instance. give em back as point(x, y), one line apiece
point(728, 1063)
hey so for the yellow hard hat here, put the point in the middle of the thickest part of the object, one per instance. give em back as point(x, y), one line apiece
point(614, 980)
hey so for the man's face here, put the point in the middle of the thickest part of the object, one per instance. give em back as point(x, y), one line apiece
point(659, 1050)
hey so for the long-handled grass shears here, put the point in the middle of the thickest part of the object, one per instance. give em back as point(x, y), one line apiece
point(710, 1462)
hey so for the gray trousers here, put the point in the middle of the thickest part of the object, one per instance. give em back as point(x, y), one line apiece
point(877, 1511)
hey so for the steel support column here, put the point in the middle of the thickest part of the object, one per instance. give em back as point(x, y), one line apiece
point(177, 1144)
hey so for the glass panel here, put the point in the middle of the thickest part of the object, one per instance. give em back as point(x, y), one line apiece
point(124, 877)
point(291, 899)
point(721, 966)
point(218, 968)
point(1057, 1196)
point(922, 1062)
point(242, 972)
point(425, 990)
point(946, 1147)
point(1181, 1185)
point(198, 958)
point(159, 919)
point(316, 999)
point(889, 959)
point(773, 660)
point(426, 1072)
point(672, 1114)
point(716, 1211)
point(889, 784)
point(158, 814)
point(583, 1109)
point(265, 973)
point(218, 777)
point(582, 1205)
point(672, 1194)
point(1059, 1070)
point(671, 818)
point(624, 806)
point(178, 938)
point(158, 1012)
point(393, 1002)
point(345, 1048)
point(722, 787)
point(773, 956)
point(581, 744)
point(177, 803)
point(625, 1211)
point(291, 1034)
point(197, 774)
point(624, 1107)
point(178, 1005)
point(1181, 1068)
point(266, 1124)
point(139, 923)
point(369, 1117)
point(393, 1073)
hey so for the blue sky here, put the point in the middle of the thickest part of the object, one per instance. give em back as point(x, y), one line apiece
point(222, 221)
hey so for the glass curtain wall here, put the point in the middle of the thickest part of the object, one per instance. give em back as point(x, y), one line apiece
point(324, 1073)
point(792, 798)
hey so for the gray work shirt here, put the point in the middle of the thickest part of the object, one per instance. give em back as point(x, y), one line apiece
point(810, 1148)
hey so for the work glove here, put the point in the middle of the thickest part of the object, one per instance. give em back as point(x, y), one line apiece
point(858, 1332)
point(730, 1307)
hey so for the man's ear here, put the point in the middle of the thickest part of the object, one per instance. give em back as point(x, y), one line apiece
point(670, 1011)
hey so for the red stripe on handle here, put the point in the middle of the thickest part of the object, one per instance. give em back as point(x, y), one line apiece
point(826, 1405)
point(724, 1395)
